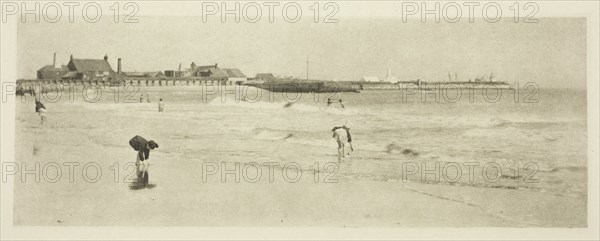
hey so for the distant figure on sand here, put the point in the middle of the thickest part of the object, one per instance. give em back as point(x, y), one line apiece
point(38, 106)
point(342, 135)
point(143, 148)
point(42, 113)
point(141, 98)
point(41, 110)
point(161, 105)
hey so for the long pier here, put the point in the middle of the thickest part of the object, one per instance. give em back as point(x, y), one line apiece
point(129, 81)
point(27, 85)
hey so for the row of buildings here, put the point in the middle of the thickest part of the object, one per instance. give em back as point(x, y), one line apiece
point(101, 70)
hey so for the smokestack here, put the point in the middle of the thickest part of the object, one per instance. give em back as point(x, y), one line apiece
point(119, 65)
point(71, 58)
point(54, 61)
point(105, 57)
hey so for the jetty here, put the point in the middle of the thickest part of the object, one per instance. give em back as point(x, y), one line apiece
point(305, 87)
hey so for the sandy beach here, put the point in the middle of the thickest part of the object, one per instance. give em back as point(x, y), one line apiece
point(364, 191)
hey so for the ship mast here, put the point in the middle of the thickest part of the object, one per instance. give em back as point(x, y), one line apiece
point(306, 67)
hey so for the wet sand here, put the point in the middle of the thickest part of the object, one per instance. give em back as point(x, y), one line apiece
point(96, 134)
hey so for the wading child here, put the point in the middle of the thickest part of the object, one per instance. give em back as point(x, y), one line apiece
point(142, 163)
point(41, 110)
point(38, 106)
point(42, 113)
point(161, 105)
point(342, 135)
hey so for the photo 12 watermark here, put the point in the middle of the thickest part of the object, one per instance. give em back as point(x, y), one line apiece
point(452, 12)
point(291, 92)
point(253, 12)
point(54, 12)
point(272, 172)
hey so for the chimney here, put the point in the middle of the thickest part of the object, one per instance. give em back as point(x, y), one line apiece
point(216, 66)
point(119, 65)
point(71, 57)
point(54, 61)
point(105, 57)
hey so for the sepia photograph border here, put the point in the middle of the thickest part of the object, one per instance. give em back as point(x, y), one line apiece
point(8, 71)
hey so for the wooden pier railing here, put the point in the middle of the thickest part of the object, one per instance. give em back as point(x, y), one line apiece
point(129, 81)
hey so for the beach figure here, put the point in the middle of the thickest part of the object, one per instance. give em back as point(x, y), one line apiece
point(41, 110)
point(161, 105)
point(141, 98)
point(148, 98)
point(142, 163)
point(42, 113)
point(38, 106)
point(341, 134)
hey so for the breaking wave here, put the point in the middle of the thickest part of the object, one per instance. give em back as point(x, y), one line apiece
point(283, 106)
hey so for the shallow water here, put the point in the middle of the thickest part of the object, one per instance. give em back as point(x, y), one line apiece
point(539, 146)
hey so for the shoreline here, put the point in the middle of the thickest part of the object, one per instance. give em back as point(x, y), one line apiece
point(180, 196)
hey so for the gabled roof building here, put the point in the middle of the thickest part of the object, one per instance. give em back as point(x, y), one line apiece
point(89, 69)
point(265, 76)
point(53, 71)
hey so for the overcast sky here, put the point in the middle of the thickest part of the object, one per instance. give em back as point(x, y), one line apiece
point(551, 53)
